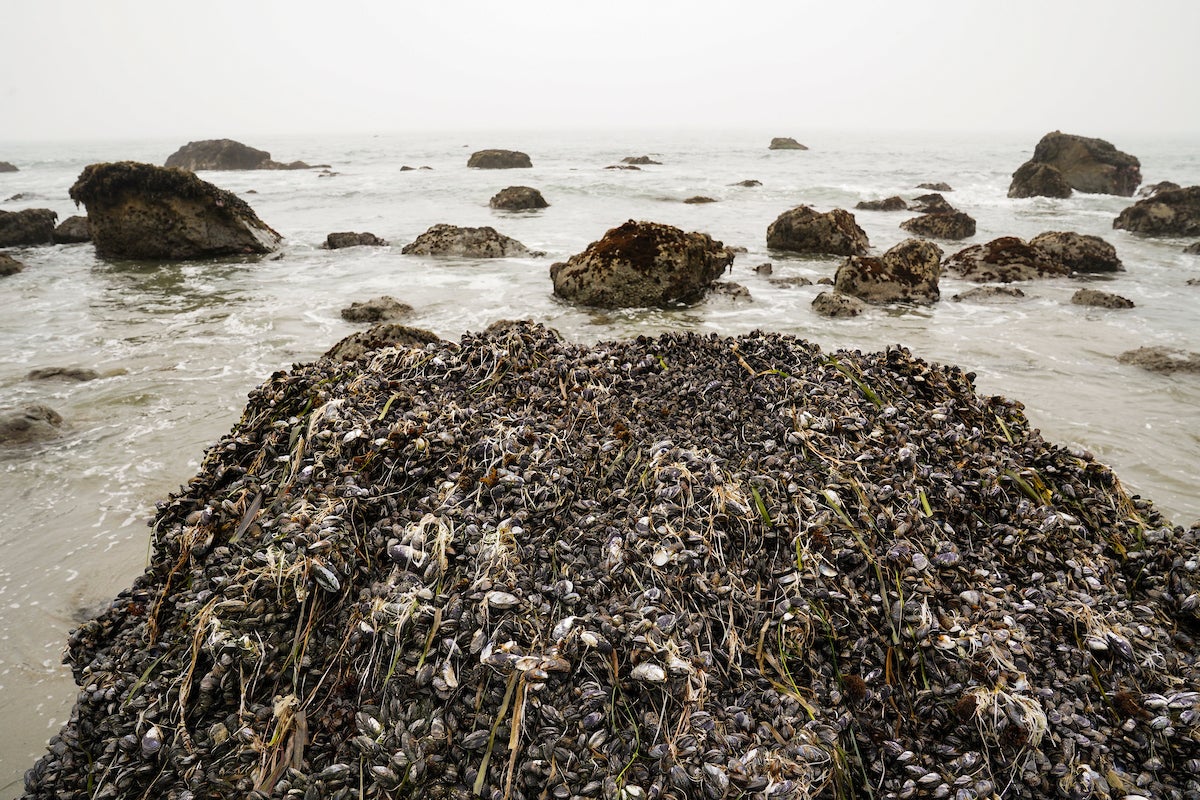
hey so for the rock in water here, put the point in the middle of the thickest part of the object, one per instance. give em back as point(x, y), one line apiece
point(941, 225)
point(336, 241)
point(805, 230)
point(907, 272)
point(893, 203)
point(785, 143)
point(9, 265)
point(1038, 180)
point(452, 240)
point(140, 211)
point(499, 159)
point(1006, 259)
point(72, 230)
point(30, 423)
point(642, 264)
point(225, 154)
point(1174, 212)
point(6, 166)
point(26, 227)
point(1085, 164)
point(685, 566)
point(518, 198)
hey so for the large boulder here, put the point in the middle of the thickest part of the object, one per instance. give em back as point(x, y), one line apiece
point(452, 240)
point(1079, 252)
point(29, 226)
point(225, 154)
point(1038, 180)
point(906, 273)
point(805, 230)
point(1087, 164)
point(785, 143)
point(518, 198)
point(336, 241)
point(941, 225)
point(72, 230)
point(1004, 260)
point(140, 211)
point(499, 159)
point(642, 264)
point(7, 167)
point(1175, 212)
point(28, 423)
point(9, 265)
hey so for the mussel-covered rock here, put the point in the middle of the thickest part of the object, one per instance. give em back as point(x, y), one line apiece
point(907, 272)
point(1174, 212)
point(805, 230)
point(1033, 179)
point(452, 240)
point(1077, 251)
point(1004, 260)
point(941, 225)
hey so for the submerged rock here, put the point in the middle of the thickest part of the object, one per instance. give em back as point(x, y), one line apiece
point(805, 230)
point(9, 265)
point(140, 211)
point(1098, 299)
point(907, 272)
point(641, 160)
point(642, 264)
point(1174, 212)
point(391, 569)
point(893, 203)
point(1085, 164)
point(749, 183)
point(785, 143)
point(452, 240)
point(699, 200)
point(1192, 249)
point(940, 186)
point(77, 374)
point(990, 294)
point(1161, 359)
point(226, 154)
point(1078, 252)
point(6, 166)
point(518, 198)
point(377, 309)
point(27, 227)
point(1005, 260)
point(336, 241)
point(499, 159)
point(29, 423)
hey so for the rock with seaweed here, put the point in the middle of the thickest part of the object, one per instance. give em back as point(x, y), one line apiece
point(642, 264)
point(453, 240)
point(805, 230)
point(1174, 212)
point(29, 226)
point(941, 225)
point(1005, 260)
point(675, 567)
point(908, 272)
point(143, 212)
point(1078, 252)
point(1084, 163)
point(226, 154)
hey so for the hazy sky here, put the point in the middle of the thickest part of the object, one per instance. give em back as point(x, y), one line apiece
point(159, 68)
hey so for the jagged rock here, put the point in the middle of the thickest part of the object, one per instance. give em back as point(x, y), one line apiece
point(77, 374)
point(699, 199)
point(377, 309)
point(7, 167)
point(336, 241)
point(1161, 359)
point(935, 187)
point(732, 291)
point(1086, 164)
point(72, 230)
point(907, 272)
point(804, 230)
point(893, 203)
point(1038, 180)
point(385, 334)
point(499, 159)
point(1193, 248)
point(785, 143)
point(140, 211)
point(644, 160)
point(1175, 212)
point(749, 183)
point(943, 225)
point(518, 198)
point(642, 264)
point(452, 240)
point(1079, 252)
point(990, 294)
point(225, 154)
point(9, 265)
point(837, 305)
point(931, 204)
point(1098, 299)
point(1004, 260)
point(29, 423)
point(26, 227)
point(1155, 188)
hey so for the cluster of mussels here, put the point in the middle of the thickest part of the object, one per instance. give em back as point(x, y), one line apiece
point(675, 567)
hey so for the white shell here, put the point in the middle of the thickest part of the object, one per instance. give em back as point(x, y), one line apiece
point(500, 599)
point(651, 673)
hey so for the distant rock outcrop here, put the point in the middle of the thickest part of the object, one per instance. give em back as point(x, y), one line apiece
point(72, 230)
point(26, 227)
point(1078, 252)
point(499, 159)
point(140, 211)
point(1004, 260)
point(642, 160)
point(1086, 165)
point(907, 272)
point(642, 264)
point(804, 230)
point(1175, 212)
point(225, 154)
point(893, 203)
point(336, 241)
point(935, 187)
point(941, 225)
point(7, 167)
point(452, 240)
point(699, 199)
point(518, 198)
point(9, 265)
point(785, 143)
point(749, 183)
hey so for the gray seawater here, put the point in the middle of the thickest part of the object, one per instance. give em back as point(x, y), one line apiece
point(179, 345)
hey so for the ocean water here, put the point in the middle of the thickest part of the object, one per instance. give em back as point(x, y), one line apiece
point(179, 345)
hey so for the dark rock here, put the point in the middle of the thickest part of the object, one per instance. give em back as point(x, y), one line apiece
point(225, 154)
point(1193, 249)
point(29, 423)
point(931, 204)
point(826, 281)
point(642, 264)
point(72, 230)
point(1087, 165)
point(26, 227)
point(385, 334)
point(793, 282)
point(837, 305)
point(1161, 359)
point(20, 196)
point(785, 143)
point(893, 203)
point(990, 294)
point(452, 240)
point(499, 159)
point(407, 168)
point(377, 309)
point(426, 167)
point(643, 160)
point(1004, 260)
point(1079, 252)
point(140, 211)
point(1098, 299)
point(518, 198)
point(78, 374)
point(1175, 212)
point(699, 199)
point(1038, 180)
point(624, 166)
point(945, 225)
point(804, 230)
point(336, 241)
point(7, 167)
point(1155, 188)
point(764, 269)
point(907, 273)
point(730, 290)
point(749, 183)
point(9, 265)
point(935, 187)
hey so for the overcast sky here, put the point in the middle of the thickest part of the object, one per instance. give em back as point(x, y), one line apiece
point(82, 69)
